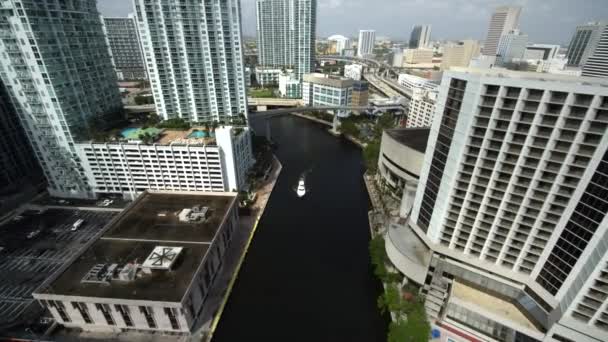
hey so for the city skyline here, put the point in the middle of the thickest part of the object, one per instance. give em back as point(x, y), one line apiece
point(551, 21)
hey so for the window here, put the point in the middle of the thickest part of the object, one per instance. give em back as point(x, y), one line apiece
point(125, 313)
point(107, 314)
point(84, 311)
point(148, 312)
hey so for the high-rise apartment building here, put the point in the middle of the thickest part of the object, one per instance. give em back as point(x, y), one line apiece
point(503, 20)
point(597, 63)
point(512, 46)
point(58, 72)
point(420, 37)
point(366, 43)
point(583, 42)
point(194, 58)
point(340, 43)
point(511, 208)
point(286, 31)
point(459, 54)
point(125, 48)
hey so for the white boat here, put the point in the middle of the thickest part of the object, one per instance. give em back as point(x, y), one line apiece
point(301, 191)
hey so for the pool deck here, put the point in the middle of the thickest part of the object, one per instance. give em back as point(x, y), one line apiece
point(169, 136)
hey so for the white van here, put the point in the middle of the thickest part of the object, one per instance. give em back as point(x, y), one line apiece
point(77, 224)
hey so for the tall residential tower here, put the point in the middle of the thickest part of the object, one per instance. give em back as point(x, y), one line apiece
point(58, 72)
point(597, 63)
point(194, 58)
point(583, 42)
point(365, 45)
point(286, 32)
point(420, 37)
point(503, 20)
point(125, 48)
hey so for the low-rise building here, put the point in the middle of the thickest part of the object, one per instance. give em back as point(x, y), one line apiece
point(192, 160)
point(339, 43)
point(422, 108)
point(418, 56)
point(411, 81)
point(459, 54)
point(149, 270)
point(326, 90)
point(541, 51)
point(353, 71)
point(360, 96)
point(267, 76)
point(289, 86)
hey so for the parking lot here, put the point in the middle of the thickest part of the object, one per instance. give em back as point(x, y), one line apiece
point(33, 246)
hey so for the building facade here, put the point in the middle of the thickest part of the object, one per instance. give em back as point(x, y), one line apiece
point(289, 86)
point(125, 48)
point(360, 95)
point(511, 46)
point(510, 210)
point(459, 54)
point(541, 51)
point(503, 20)
point(421, 108)
point(584, 42)
point(417, 56)
point(325, 90)
point(366, 43)
point(60, 78)
point(176, 163)
point(267, 76)
point(286, 31)
point(340, 42)
point(597, 63)
point(353, 71)
point(420, 37)
point(194, 58)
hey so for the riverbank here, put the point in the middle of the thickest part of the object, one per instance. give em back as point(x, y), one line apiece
point(312, 118)
point(350, 138)
point(219, 295)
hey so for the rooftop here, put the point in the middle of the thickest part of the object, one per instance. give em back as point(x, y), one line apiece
point(416, 138)
point(533, 76)
point(329, 80)
point(149, 226)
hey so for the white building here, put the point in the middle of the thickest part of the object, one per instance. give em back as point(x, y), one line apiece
point(61, 81)
point(510, 208)
point(511, 46)
point(148, 272)
point(420, 37)
point(398, 58)
point(541, 51)
point(421, 108)
point(125, 47)
point(286, 31)
point(267, 76)
point(196, 71)
point(340, 42)
point(411, 82)
point(326, 90)
point(597, 63)
point(175, 160)
point(353, 71)
point(289, 86)
point(584, 41)
point(366, 43)
point(503, 20)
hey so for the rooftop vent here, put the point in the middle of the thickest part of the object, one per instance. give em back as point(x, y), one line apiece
point(162, 258)
point(106, 273)
point(195, 214)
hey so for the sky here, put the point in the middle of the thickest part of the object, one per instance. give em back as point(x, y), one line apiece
point(545, 21)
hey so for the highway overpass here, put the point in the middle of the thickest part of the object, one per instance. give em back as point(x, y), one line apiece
point(251, 101)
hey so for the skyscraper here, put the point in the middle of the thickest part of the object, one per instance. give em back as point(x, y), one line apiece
point(341, 43)
point(503, 20)
point(420, 37)
point(597, 63)
point(366, 43)
point(583, 42)
point(194, 58)
point(286, 31)
point(511, 204)
point(125, 48)
point(60, 78)
point(512, 45)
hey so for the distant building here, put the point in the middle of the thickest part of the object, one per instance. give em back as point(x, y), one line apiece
point(325, 90)
point(349, 52)
point(418, 56)
point(248, 77)
point(422, 103)
point(125, 48)
point(459, 54)
point(366, 43)
point(411, 82)
point(503, 20)
point(286, 31)
point(340, 42)
point(541, 51)
point(148, 271)
point(289, 86)
point(196, 75)
point(511, 46)
point(584, 41)
point(420, 37)
point(597, 63)
point(267, 76)
point(360, 95)
point(354, 71)
point(398, 58)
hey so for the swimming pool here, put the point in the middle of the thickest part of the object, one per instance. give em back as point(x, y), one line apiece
point(127, 132)
point(197, 134)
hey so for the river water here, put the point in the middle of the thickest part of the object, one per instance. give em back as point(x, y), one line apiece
point(307, 275)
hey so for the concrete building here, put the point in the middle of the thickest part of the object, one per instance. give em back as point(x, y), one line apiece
point(420, 37)
point(421, 108)
point(286, 31)
point(60, 101)
point(459, 54)
point(289, 86)
point(192, 160)
point(125, 48)
point(411, 82)
point(507, 233)
point(248, 77)
point(353, 71)
point(541, 51)
point(151, 270)
point(511, 46)
point(196, 69)
point(366, 43)
point(398, 58)
point(583, 42)
point(597, 63)
point(340, 42)
point(360, 95)
point(503, 20)
point(267, 76)
point(349, 52)
point(417, 56)
point(326, 90)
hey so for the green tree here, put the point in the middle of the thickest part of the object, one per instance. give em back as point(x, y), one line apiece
point(370, 155)
point(414, 328)
point(348, 127)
